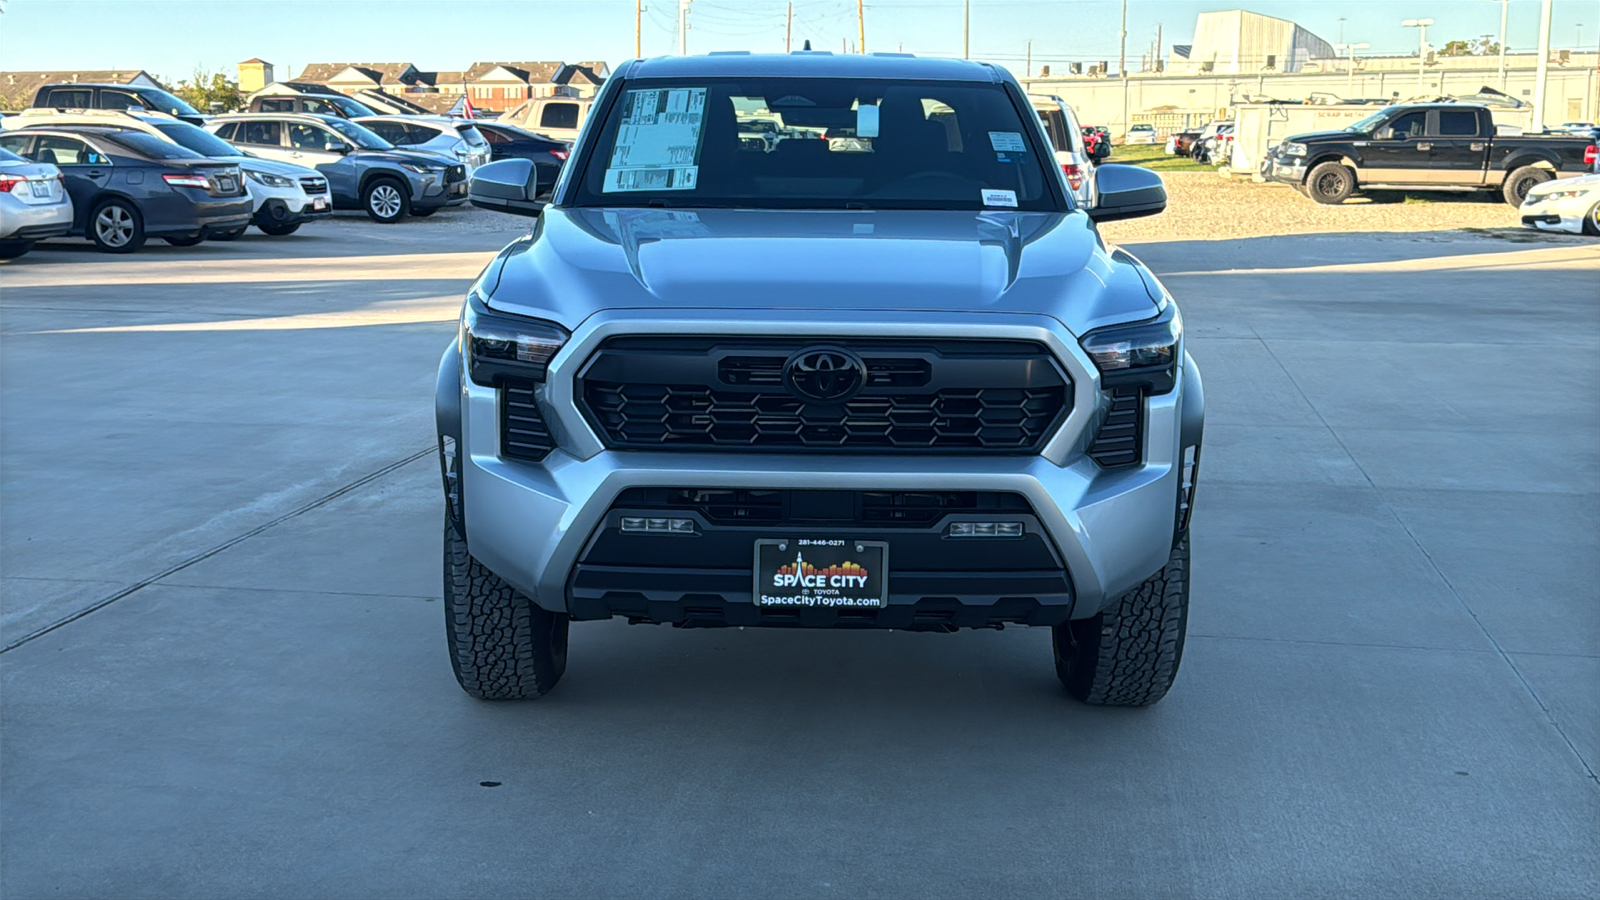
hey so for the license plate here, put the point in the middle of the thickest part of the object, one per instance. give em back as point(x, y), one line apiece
point(40, 188)
point(319, 203)
point(225, 183)
point(832, 573)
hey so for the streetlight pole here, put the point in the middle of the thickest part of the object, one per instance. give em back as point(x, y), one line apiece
point(1350, 69)
point(683, 27)
point(1543, 73)
point(1422, 46)
point(966, 27)
point(1122, 68)
point(1504, 6)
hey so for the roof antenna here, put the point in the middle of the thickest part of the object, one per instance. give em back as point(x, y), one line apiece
point(807, 46)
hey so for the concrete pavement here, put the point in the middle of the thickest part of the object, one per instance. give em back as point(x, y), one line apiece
point(1390, 686)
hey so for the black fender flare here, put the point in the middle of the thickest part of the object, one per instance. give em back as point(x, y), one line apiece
point(447, 424)
point(1191, 433)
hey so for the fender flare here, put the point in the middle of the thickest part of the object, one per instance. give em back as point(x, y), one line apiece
point(447, 424)
point(1191, 433)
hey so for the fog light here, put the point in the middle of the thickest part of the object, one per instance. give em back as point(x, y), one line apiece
point(985, 529)
point(658, 526)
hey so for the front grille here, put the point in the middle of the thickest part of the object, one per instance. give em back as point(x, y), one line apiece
point(453, 174)
point(1119, 440)
point(523, 434)
point(738, 506)
point(700, 393)
point(314, 185)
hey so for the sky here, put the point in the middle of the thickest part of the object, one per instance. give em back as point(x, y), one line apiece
point(171, 38)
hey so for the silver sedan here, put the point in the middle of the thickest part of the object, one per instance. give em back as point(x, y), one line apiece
point(33, 204)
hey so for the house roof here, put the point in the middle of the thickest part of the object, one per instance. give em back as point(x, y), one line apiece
point(538, 72)
point(256, 59)
point(379, 73)
point(17, 88)
point(577, 72)
point(444, 76)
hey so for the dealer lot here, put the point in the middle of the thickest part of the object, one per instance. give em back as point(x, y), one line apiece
point(1389, 689)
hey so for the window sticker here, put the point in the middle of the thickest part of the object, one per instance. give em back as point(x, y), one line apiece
point(658, 142)
point(1000, 198)
point(1007, 142)
point(867, 121)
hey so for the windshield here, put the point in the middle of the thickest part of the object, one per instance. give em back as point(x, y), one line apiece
point(349, 107)
point(359, 135)
point(832, 144)
point(151, 146)
point(167, 103)
point(198, 139)
point(1369, 123)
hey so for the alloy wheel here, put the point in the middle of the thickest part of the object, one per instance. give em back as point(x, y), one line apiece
point(1330, 183)
point(385, 201)
point(114, 226)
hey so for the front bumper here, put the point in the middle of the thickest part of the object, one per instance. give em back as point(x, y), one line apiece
point(1290, 170)
point(1109, 528)
point(1566, 214)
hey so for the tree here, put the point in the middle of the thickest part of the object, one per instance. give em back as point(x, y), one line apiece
point(1479, 46)
point(205, 88)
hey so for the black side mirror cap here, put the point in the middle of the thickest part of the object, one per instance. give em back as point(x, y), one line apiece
point(1126, 192)
point(508, 186)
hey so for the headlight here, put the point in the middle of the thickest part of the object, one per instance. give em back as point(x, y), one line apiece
point(1142, 353)
point(423, 169)
point(499, 347)
point(268, 179)
point(1561, 195)
point(1289, 148)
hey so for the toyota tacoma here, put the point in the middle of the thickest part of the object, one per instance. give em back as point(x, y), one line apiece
point(898, 381)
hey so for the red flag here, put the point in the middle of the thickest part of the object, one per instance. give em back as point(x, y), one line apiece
point(466, 107)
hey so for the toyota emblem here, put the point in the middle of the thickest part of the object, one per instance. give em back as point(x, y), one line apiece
point(825, 374)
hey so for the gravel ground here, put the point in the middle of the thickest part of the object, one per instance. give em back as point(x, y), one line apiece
point(1206, 206)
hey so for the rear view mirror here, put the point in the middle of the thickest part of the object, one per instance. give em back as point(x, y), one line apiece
point(508, 186)
point(1127, 192)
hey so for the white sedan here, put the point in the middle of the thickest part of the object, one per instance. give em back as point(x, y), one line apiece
point(1565, 204)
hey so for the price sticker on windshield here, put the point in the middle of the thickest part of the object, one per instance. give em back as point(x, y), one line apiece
point(1007, 142)
point(1000, 198)
point(658, 142)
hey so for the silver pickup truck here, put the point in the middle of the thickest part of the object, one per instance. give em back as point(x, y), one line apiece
point(898, 381)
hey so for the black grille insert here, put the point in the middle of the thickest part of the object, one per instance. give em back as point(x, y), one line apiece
point(1120, 439)
point(523, 434)
point(739, 506)
point(702, 393)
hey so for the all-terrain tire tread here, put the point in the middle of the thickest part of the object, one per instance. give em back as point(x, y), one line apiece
point(495, 631)
point(1139, 640)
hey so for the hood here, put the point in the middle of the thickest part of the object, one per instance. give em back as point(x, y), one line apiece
point(272, 167)
point(406, 156)
point(1335, 135)
point(580, 261)
point(1581, 182)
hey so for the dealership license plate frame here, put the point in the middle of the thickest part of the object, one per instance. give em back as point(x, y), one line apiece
point(40, 189)
point(866, 553)
point(319, 204)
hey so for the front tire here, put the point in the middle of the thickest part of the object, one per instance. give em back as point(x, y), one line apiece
point(277, 229)
point(232, 235)
point(503, 646)
point(116, 226)
point(1591, 222)
point(1128, 655)
point(14, 249)
point(1330, 183)
point(1522, 180)
point(190, 241)
point(385, 201)
point(424, 213)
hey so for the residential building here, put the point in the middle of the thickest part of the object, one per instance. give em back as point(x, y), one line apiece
point(17, 89)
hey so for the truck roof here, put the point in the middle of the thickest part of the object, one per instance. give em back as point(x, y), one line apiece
point(813, 64)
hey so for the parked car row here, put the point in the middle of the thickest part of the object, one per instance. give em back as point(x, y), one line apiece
point(288, 168)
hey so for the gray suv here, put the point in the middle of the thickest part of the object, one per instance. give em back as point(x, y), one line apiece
point(890, 379)
point(364, 171)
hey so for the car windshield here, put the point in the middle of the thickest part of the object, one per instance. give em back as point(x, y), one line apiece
point(167, 103)
point(834, 144)
point(151, 146)
point(1370, 122)
point(359, 135)
point(197, 139)
point(347, 106)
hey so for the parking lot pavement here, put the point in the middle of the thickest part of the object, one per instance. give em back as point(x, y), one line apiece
point(1389, 689)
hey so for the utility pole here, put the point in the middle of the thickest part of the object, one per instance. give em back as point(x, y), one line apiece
point(1422, 46)
point(861, 25)
point(1159, 66)
point(1030, 59)
point(1504, 5)
point(638, 22)
point(1350, 70)
point(788, 29)
point(1122, 66)
point(683, 27)
point(1543, 73)
point(1341, 29)
point(966, 27)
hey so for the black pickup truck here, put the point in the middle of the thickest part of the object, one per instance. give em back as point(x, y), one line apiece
point(1432, 147)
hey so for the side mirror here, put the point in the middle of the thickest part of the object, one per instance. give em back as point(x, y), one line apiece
point(1126, 192)
point(339, 147)
point(508, 186)
point(1384, 134)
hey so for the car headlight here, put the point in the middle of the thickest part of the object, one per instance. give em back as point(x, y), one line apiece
point(423, 168)
point(1561, 195)
point(268, 179)
point(1141, 353)
point(500, 347)
point(1289, 148)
